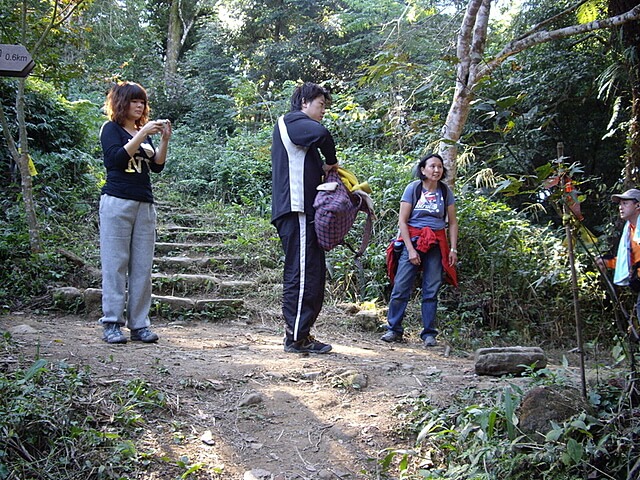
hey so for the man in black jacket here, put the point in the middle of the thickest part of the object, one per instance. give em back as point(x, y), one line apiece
point(297, 170)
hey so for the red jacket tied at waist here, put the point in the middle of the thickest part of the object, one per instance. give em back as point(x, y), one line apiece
point(427, 238)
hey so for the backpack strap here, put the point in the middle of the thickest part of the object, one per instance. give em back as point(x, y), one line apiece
point(368, 227)
point(445, 195)
point(417, 192)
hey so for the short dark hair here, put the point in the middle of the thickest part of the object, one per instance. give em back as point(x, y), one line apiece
point(307, 92)
point(119, 98)
point(423, 162)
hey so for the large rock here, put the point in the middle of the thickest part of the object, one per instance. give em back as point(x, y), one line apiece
point(367, 320)
point(500, 361)
point(93, 300)
point(67, 298)
point(543, 405)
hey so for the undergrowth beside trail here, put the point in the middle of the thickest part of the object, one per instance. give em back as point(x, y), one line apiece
point(478, 436)
point(56, 423)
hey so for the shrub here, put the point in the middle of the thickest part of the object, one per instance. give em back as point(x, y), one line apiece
point(55, 424)
point(234, 170)
point(477, 437)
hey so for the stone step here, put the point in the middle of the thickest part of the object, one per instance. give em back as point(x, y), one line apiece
point(185, 219)
point(176, 304)
point(185, 282)
point(189, 234)
point(72, 298)
point(164, 247)
point(183, 263)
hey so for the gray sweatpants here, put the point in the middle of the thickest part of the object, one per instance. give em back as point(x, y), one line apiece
point(127, 240)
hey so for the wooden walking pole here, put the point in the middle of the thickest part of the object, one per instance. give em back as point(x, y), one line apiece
point(566, 214)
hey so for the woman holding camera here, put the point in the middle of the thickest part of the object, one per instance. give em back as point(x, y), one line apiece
point(425, 208)
point(127, 212)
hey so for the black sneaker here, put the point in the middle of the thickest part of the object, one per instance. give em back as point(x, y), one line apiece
point(391, 336)
point(430, 341)
point(308, 345)
point(112, 334)
point(143, 335)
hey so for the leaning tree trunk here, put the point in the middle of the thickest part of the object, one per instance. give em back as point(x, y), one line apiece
point(473, 66)
point(470, 51)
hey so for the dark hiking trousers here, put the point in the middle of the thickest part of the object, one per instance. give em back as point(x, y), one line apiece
point(304, 274)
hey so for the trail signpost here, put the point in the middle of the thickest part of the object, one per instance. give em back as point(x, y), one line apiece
point(15, 61)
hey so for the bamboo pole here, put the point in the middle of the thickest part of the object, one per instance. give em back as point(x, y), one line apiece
point(566, 219)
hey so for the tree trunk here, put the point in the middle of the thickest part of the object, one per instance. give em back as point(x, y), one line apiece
point(633, 138)
point(470, 50)
point(182, 16)
point(25, 174)
point(60, 13)
point(174, 31)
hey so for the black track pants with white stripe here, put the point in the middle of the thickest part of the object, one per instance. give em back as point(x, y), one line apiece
point(304, 274)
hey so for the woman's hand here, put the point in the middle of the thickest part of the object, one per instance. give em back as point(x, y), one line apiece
point(156, 126)
point(167, 130)
point(414, 256)
point(453, 257)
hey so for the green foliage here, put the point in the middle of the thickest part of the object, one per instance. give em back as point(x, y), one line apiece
point(211, 105)
point(52, 426)
point(67, 182)
point(25, 277)
point(387, 177)
point(49, 30)
point(390, 68)
point(54, 123)
point(511, 269)
point(120, 45)
point(279, 41)
point(238, 171)
point(477, 437)
point(63, 150)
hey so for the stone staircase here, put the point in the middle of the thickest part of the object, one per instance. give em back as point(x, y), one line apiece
point(198, 270)
point(192, 274)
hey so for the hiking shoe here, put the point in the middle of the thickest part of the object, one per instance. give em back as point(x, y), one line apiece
point(430, 341)
point(308, 345)
point(143, 335)
point(391, 336)
point(113, 334)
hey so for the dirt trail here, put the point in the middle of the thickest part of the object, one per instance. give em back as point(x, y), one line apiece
point(314, 417)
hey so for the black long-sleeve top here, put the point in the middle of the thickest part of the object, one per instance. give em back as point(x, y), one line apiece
point(298, 171)
point(126, 177)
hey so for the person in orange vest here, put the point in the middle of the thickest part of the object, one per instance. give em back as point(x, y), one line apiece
point(629, 247)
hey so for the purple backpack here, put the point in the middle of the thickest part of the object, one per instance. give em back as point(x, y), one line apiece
point(335, 214)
